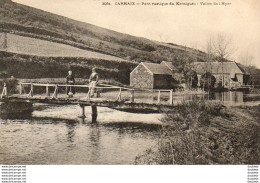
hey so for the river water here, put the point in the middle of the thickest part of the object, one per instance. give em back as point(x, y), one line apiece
point(56, 135)
point(230, 98)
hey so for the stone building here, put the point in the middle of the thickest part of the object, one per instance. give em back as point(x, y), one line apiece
point(153, 76)
point(234, 76)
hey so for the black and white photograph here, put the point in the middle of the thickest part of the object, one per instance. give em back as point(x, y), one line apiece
point(139, 82)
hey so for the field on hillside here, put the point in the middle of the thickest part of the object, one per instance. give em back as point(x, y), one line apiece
point(32, 46)
point(32, 22)
point(32, 67)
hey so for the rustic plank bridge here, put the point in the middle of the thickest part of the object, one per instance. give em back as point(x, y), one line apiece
point(115, 97)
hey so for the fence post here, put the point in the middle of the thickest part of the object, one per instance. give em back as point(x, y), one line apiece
point(31, 91)
point(56, 91)
point(47, 91)
point(98, 92)
point(55, 94)
point(119, 95)
point(159, 97)
point(171, 99)
point(132, 99)
point(21, 89)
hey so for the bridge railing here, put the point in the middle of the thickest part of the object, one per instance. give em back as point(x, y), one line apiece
point(251, 86)
point(104, 92)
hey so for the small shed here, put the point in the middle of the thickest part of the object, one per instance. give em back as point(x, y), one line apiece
point(153, 76)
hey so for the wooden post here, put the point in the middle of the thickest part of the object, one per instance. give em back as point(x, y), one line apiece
point(159, 97)
point(21, 89)
point(94, 113)
point(3, 92)
point(6, 91)
point(119, 95)
point(98, 92)
point(132, 99)
point(47, 91)
point(83, 111)
point(55, 94)
point(171, 99)
point(56, 91)
point(31, 91)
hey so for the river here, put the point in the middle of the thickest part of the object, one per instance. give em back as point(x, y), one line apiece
point(56, 135)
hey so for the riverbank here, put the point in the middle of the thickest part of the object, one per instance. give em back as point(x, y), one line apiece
point(207, 133)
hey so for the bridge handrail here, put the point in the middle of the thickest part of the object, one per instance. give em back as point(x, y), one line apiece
point(132, 90)
point(100, 87)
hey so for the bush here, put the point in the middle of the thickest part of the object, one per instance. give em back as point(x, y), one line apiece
point(201, 133)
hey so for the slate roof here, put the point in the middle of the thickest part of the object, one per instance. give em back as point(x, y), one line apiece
point(216, 68)
point(157, 68)
point(169, 64)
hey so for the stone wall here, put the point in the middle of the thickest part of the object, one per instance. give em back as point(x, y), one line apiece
point(140, 77)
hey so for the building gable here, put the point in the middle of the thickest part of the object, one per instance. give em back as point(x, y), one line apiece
point(138, 68)
point(157, 68)
point(169, 65)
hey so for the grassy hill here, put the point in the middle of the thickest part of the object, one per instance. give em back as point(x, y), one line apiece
point(31, 22)
point(42, 44)
point(31, 66)
point(32, 46)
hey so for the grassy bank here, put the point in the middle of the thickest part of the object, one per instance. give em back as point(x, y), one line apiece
point(207, 133)
point(28, 66)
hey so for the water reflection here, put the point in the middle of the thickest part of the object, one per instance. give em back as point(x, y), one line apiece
point(94, 137)
point(24, 115)
point(46, 140)
point(227, 98)
point(70, 133)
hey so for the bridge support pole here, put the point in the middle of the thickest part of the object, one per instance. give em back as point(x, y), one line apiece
point(132, 98)
point(94, 113)
point(83, 111)
point(21, 89)
point(47, 91)
point(159, 97)
point(171, 97)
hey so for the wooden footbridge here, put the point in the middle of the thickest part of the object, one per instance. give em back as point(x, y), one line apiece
point(115, 97)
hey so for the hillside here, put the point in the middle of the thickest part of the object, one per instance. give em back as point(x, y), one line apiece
point(31, 46)
point(30, 22)
point(31, 66)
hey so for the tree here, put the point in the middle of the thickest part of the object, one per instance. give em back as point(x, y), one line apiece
point(221, 48)
point(207, 81)
point(184, 65)
point(246, 59)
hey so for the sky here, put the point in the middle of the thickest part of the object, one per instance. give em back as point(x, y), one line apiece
point(180, 24)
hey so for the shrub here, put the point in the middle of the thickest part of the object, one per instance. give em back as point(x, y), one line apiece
point(199, 132)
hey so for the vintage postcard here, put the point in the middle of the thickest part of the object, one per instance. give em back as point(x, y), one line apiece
point(138, 82)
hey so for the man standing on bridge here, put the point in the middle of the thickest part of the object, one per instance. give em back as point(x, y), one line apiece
point(70, 80)
point(93, 82)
